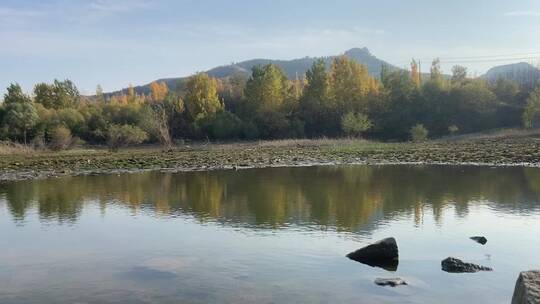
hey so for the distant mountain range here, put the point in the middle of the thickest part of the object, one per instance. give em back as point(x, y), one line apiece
point(522, 72)
point(293, 68)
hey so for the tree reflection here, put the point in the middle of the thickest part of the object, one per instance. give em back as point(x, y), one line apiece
point(345, 198)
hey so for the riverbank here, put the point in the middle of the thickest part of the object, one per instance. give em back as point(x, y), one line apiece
point(493, 151)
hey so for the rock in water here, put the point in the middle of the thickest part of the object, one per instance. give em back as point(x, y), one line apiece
point(383, 253)
point(393, 282)
point(479, 239)
point(458, 266)
point(527, 289)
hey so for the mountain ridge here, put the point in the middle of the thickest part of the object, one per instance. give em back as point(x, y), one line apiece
point(293, 68)
point(521, 72)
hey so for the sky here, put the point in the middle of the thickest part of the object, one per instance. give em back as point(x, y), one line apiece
point(115, 43)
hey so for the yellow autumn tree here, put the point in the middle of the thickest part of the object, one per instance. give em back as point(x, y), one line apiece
point(350, 84)
point(201, 97)
point(159, 91)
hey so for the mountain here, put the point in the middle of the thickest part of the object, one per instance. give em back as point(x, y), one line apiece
point(293, 68)
point(522, 73)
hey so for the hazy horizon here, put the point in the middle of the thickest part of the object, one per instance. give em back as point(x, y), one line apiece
point(115, 43)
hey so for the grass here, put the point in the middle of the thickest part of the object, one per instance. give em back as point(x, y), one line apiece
point(7, 148)
point(494, 134)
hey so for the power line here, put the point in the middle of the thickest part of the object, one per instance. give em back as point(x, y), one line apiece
point(478, 59)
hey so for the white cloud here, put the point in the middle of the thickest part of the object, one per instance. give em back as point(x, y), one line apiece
point(523, 14)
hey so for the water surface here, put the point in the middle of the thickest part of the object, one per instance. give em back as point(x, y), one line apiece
point(267, 235)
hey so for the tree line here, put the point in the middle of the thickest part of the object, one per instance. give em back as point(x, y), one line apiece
point(342, 99)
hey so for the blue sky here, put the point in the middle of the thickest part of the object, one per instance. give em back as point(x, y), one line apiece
point(117, 42)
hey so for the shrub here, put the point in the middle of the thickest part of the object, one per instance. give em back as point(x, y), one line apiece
point(453, 129)
point(124, 135)
point(419, 133)
point(354, 124)
point(60, 138)
point(225, 125)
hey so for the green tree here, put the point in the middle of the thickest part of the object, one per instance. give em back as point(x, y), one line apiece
point(21, 115)
point(354, 124)
point(398, 107)
point(459, 74)
point(435, 73)
point(269, 100)
point(201, 98)
point(58, 95)
point(314, 103)
point(532, 109)
point(224, 125)
point(267, 88)
point(472, 106)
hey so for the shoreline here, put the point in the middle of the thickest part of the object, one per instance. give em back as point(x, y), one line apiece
point(498, 152)
point(39, 175)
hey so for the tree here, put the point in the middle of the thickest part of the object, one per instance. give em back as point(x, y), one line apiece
point(349, 85)
point(131, 94)
point(314, 103)
point(415, 73)
point(532, 109)
point(99, 94)
point(60, 138)
point(160, 115)
point(472, 106)
point(268, 100)
point(398, 108)
point(224, 125)
point(158, 90)
point(21, 115)
point(124, 135)
point(201, 98)
point(354, 124)
point(419, 133)
point(435, 72)
point(267, 88)
point(459, 74)
point(58, 95)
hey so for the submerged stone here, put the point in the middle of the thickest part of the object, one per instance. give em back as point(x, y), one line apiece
point(454, 265)
point(479, 239)
point(527, 290)
point(383, 253)
point(393, 282)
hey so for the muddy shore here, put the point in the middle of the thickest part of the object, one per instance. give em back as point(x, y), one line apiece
point(523, 151)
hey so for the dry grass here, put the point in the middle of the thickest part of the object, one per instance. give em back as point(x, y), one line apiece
point(494, 134)
point(10, 148)
point(312, 142)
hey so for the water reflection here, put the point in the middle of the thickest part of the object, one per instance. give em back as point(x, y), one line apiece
point(348, 198)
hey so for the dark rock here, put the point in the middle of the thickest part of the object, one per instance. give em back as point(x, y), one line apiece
point(393, 282)
point(479, 239)
point(383, 253)
point(527, 289)
point(458, 266)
